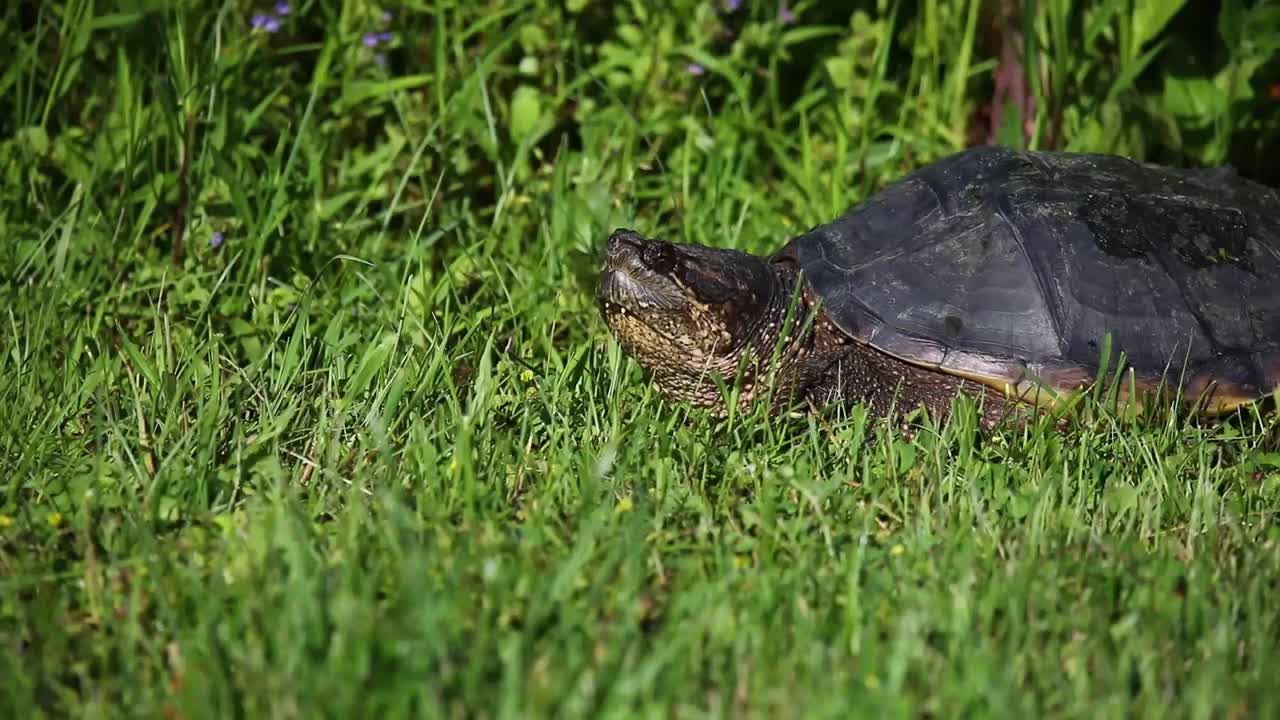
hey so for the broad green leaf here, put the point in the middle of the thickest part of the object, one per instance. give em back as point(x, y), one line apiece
point(1121, 498)
point(1231, 24)
point(1194, 98)
point(526, 111)
point(34, 139)
point(248, 337)
point(1234, 80)
point(1150, 17)
point(841, 72)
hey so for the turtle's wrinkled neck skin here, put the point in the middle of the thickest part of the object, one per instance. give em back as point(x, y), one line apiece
point(688, 312)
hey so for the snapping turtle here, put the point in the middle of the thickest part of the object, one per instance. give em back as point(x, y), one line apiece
point(993, 271)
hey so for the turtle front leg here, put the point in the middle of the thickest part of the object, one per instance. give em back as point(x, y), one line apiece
point(891, 388)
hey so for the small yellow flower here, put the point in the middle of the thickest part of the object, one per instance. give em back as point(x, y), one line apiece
point(897, 549)
point(526, 375)
point(624, 505)
point(5, 521)
point(54, 518)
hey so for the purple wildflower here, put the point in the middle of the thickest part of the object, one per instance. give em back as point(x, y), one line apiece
point(266, 21)
point(216, 240)
point(785, 15)
point(283, 8)
point(731, 5)
point(386, 16)
point(374, 39)
point(695, 69)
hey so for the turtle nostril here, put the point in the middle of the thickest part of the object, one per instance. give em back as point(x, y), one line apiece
point(629, 251)
point(622, 251)
point(623, 240)
point(625, 247)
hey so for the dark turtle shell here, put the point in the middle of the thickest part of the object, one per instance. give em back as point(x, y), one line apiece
point(1012, 268)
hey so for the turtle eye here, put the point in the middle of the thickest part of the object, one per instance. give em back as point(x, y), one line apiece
point(660, 257)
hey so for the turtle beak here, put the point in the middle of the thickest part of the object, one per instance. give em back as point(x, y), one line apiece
point(621, 261)
point(626, 279)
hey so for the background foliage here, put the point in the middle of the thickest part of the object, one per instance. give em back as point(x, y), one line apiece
point(307, 409)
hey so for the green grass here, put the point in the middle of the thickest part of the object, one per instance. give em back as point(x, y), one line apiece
point(377, 456)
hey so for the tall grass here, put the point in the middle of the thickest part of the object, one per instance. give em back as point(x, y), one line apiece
point(308, 410)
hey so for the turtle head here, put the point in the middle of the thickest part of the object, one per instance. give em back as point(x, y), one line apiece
point(683, 311)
